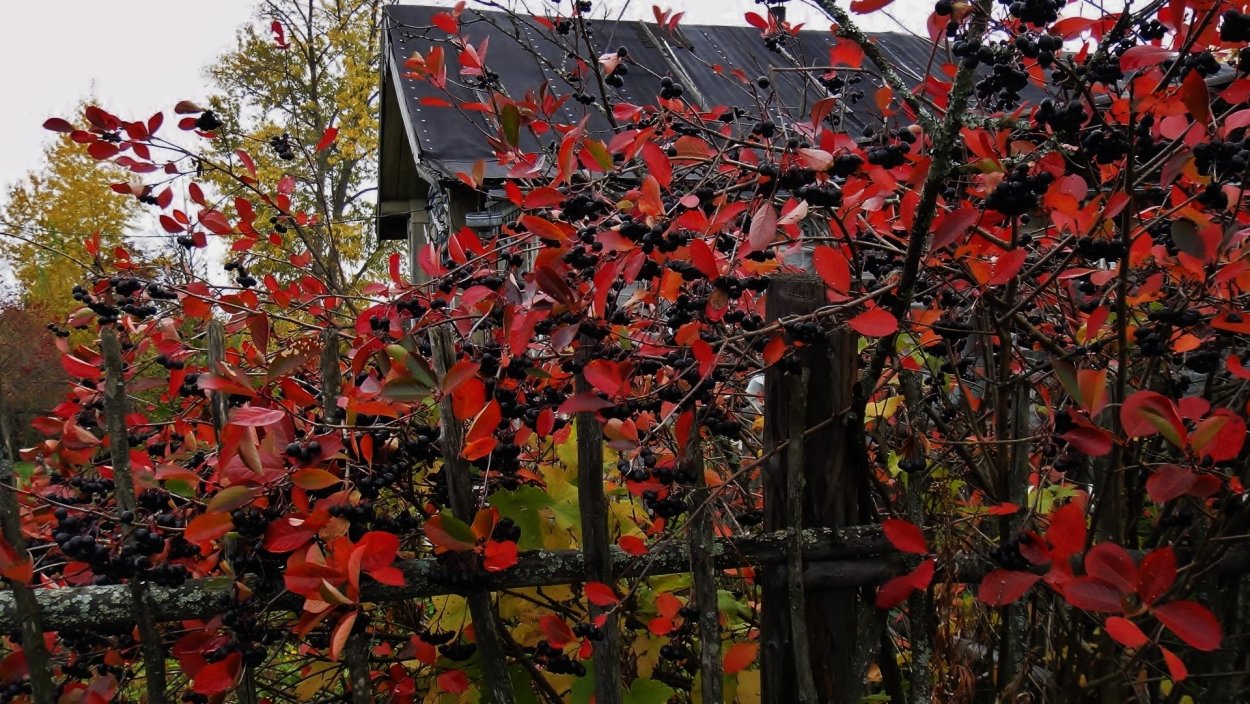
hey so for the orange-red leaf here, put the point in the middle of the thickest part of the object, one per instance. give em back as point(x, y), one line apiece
point(740, 656)
point(601, 594)
point(874, 323)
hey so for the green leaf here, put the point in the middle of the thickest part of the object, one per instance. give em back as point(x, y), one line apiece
point(230, 498)
point(583, 687)
point(447, 531)
point(523, 506)
point(510, 120)
point(648, 692)
point(405, 390)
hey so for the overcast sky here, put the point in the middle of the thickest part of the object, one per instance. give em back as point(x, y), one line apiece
point(141, 56)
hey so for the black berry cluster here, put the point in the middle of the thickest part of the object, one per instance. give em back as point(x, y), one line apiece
point(1018, 193)
point(281, 145)
point(208, 122)
point(242, 277)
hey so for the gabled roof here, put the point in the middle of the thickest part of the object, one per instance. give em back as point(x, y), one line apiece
point(442, 142)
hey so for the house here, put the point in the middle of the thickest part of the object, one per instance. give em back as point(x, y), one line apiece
point(423, 146)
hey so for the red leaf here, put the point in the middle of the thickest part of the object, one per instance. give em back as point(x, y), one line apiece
point(282, 536)
point(832, 268)
point(893, 592)
point(57, 124)
point(1092, 595)
point(605, 376)
point(1191, 622)
point(1066, 533)
point(905, 536)
point(219, 676)
point(455, 536)
point(445, 22)
point(703, 258)
point(1113, 565)
point(78, 368)
point(632, 545)
point(1125, 632)
point(601, 594)
point(459, 373)
point(1091, 441)
point(342, 630)
point(453, 682)
point(657, 162)
point(254, 416)
point(485, 423)
point(757, 21)
point(774, 350)
point(763, 229)
point(1145, 413)
point(1196, 98)
point(863, 7)
point(1002, 587)
point(1168, 482)
point(1176, 668)
point(740, 656)
point(499, 556)
point(103, 150)
point(1143, 56)
point(313, 479)
point(874, 323)
point(381, 548)
point(328, 138)
point(557, 631)
point(208, 527)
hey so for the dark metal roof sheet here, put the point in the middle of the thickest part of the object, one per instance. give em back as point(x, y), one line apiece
point(525, 53)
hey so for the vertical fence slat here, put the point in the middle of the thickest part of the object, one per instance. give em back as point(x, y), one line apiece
point(33, 645)
point(593, 507)
point(795, 484)
point(119, 444)
point(703, 571)
point(246, 691)
point(460, 487)
point(356, 649)
point(833, 480)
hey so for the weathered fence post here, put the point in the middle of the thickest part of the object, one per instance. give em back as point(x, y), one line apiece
point(593, 507)
point(41, 688)
point(830, 498)
point(460, 487)
point(246, 691)
point(356, 649)
point(124, 489)
point(703, 571)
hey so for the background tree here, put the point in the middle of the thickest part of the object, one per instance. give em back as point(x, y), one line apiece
point(31, 377)
point(51, 213)
point(305, 72)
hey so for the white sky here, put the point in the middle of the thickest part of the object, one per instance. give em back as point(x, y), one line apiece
point(140, 56)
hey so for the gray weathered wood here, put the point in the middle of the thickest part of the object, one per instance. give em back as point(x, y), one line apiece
point(460, 488)
point(699, 537)
point(110, 606)
point(796, 471)
point(42, 689)
point(115, 411)
point(593, 507)
point(833, 482)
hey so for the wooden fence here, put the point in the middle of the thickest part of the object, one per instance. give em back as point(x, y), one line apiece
point(812, 555)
